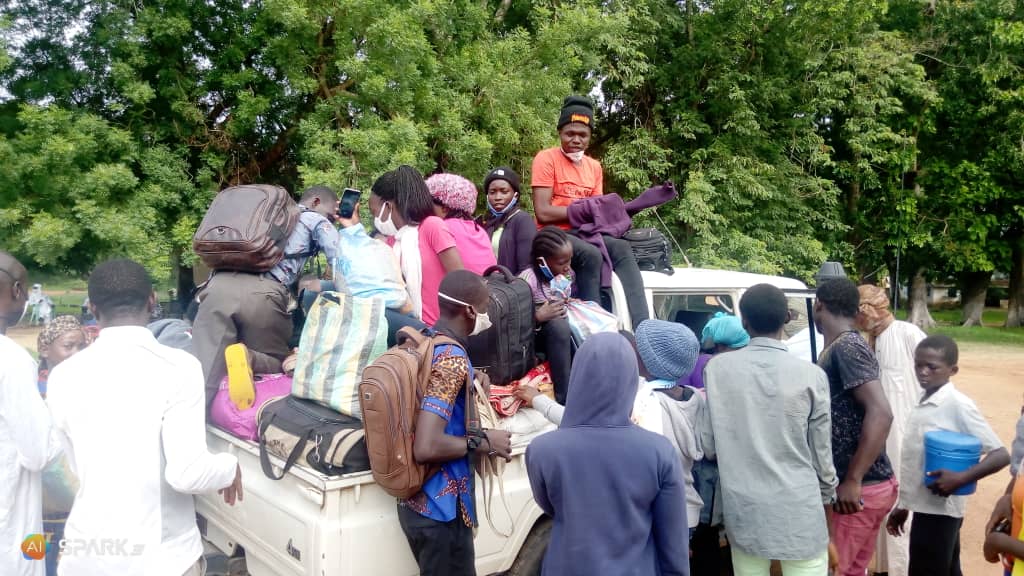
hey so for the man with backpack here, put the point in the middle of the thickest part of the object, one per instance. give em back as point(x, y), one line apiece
point(438, 521)
point(252, 308)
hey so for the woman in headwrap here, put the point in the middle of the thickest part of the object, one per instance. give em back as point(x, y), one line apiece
point(510, 226)
point(724, 332)
point(614, 491)
point(894, 342)
point(62, 338)
point(454, 202)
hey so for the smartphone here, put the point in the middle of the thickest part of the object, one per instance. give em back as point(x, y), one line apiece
point(349, 199)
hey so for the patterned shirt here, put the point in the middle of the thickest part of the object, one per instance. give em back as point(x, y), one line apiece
point(849, 363)
point(452, 485)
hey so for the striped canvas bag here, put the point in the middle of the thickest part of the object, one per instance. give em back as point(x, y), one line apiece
point(342, 336)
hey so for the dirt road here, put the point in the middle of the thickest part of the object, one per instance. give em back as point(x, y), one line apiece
point(992, 375)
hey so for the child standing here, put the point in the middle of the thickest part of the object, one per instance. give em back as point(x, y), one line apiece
point(1005, 535)
point(938, 514)
point(550, 279)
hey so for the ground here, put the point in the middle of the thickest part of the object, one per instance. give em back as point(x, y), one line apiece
point(990, 374)
point(993, 377)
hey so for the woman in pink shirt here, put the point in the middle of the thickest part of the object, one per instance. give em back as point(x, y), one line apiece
point(404, 212)
point(455, 201)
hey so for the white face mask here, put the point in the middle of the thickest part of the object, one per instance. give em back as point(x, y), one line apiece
point(385, 227)
point(574, 156)
point(483, 321)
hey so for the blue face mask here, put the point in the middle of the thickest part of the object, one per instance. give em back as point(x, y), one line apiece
point(542, 264)
point(500, 213)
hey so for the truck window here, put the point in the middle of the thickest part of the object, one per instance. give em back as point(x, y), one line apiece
point(798, 308)
point(692, 310)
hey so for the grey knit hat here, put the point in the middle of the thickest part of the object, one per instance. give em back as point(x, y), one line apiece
point(668, 349)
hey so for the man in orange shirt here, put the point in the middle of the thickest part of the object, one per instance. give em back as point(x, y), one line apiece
point(563, 175)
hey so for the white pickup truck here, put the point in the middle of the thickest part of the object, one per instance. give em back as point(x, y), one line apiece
point(310, 524)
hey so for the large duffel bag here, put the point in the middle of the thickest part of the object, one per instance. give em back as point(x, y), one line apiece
point(341, 337)
point(651, 250)
point(327, 441)
point(505, 351)
point(245, 228)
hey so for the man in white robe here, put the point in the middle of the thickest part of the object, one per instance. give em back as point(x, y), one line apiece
point(894, 342)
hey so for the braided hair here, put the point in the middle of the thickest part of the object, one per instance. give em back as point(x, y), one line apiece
point(405, 188)
point(548, 241)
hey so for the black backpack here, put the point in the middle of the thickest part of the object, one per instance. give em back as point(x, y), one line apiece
point(327, 441)
point(651, 250)
point(505, 351)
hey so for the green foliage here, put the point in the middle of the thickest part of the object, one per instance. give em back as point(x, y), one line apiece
point(795, 132)
point(69, 181)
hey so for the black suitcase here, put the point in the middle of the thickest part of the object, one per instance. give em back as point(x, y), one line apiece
point(505, 351)
point(651, 250)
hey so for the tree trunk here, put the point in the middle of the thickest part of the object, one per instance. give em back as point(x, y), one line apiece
point(973, 286)
point(1015, 313)
point(919, 315)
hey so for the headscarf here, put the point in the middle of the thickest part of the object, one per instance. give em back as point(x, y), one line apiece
point(58, 327)
point(875, 316)
point(603, 383)
point(454, 192)
point(724, 329)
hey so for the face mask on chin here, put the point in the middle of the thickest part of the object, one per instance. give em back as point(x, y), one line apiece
point(385, 227)
point(483, 320)
point(576, 157)
point(503, 211)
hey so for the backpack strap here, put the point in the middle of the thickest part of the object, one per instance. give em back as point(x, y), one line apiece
point(490, 469)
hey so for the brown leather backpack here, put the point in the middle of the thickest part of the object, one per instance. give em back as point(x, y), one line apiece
point(246, 227)
point(390, 396)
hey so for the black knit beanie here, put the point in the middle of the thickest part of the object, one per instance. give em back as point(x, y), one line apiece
point(503, 173)
point(576, 109)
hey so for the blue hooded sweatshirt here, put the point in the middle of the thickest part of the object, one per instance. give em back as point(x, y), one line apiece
point(614, 490)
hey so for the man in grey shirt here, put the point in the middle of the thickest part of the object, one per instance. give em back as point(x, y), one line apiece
point(768, 424)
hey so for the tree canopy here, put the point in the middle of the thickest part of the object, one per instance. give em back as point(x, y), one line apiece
point(873, 132)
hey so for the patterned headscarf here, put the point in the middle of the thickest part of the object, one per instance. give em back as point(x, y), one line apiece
point(56, 328)
point(453, 192)
point(874, 315)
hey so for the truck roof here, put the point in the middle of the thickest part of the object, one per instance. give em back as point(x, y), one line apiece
point(706, 278)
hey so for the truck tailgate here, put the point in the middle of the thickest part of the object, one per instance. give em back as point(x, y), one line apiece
point(308, 523)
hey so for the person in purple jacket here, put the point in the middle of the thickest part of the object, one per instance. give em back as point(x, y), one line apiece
point(607, 521)
point(509, 225)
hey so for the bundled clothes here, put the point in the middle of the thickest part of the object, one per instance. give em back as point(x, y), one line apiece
point(608, 215)
point(576, 476)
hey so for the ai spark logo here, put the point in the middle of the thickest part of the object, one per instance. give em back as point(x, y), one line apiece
point(33, 547)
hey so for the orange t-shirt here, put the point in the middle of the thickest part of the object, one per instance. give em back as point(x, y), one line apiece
point(568, 181)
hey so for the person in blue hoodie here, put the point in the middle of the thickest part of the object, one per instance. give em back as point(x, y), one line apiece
point(615, 491)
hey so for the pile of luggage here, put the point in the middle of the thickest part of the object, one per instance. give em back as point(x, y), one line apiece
point(315, 417)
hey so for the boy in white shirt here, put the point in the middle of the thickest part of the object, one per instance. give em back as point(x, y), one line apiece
point(131, 414)
point(938, 514)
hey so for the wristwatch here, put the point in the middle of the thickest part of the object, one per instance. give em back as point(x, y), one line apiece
point(472, 443)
